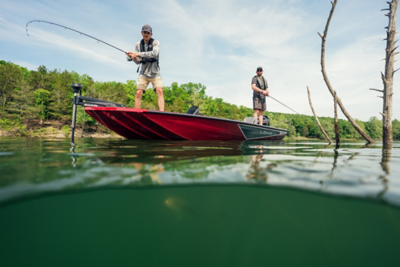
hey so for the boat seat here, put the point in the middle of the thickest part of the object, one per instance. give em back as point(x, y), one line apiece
point(254, 120)
point(250, 120)
point(194, 110)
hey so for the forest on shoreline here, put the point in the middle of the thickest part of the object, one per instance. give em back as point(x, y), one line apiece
point(31, 99)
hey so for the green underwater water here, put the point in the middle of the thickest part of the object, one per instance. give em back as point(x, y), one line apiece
point(130, 203)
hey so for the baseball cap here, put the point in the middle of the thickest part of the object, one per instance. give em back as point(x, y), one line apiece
point(259, 69)
point(147, 28)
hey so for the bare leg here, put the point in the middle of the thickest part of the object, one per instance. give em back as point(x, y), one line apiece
point(160, 95)
point(260, 117)
point(258, 114)
point(138, 99)
point(255, 114)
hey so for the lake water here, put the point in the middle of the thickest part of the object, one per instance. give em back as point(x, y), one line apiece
point(149, 203)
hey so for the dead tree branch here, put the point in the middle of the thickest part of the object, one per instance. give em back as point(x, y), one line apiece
point(378, 90)
point(328, 84)
point(315, 115)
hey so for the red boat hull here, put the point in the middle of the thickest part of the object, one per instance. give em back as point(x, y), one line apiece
point(155, 125)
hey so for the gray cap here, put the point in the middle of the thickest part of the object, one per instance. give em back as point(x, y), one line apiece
point(259, 68)
point(147, 28)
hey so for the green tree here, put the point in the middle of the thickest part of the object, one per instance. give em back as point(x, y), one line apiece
point(42, 102)
point(23, 106)
point(396, 129)
point(10, 76)
point(40, 78)
point(61, 98)
point(374, 128)
point(130, 89)
point(178, 105)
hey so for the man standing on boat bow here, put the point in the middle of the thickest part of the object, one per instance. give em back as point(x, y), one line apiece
point(260, 87)
point(147, 53)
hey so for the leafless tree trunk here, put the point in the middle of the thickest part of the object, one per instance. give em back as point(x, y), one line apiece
point(337, 135)
point(328, 84)
point(386, 158)
point(388, 77)
point(315, 115)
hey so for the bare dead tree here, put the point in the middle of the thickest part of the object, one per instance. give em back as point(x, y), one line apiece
point(328, 84)
point(388, 77)
point(316, 118)
point(337, 135)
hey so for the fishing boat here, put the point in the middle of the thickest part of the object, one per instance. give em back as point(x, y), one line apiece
point(143, 124)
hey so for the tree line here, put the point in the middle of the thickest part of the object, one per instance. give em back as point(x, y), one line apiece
point(31, 97)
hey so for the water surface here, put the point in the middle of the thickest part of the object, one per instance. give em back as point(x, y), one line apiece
point(148, 203)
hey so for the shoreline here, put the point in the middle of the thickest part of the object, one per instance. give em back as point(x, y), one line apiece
point(55, 129)
point(54, 133)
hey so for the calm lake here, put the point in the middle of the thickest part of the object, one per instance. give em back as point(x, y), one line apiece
point(150, 203)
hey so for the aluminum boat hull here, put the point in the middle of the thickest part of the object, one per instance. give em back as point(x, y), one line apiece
point(145, 124)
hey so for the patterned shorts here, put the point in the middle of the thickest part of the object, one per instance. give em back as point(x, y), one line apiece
point(259, 102)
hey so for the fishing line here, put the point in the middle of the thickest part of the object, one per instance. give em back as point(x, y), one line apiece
point(67, 28)
point(283, 104)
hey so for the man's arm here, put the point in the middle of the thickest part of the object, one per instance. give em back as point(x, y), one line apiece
point(255, 88)
point(135, 56)
point(151, 54)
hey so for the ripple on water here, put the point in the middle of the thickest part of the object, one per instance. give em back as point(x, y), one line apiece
point(352, 170)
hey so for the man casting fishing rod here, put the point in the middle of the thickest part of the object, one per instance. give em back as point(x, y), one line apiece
point(147, 53)
point(260, 87)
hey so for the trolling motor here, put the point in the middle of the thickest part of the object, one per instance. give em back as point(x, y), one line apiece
point(86, 102)
point(77, 93)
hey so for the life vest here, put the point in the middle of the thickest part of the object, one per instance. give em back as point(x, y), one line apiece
point(259, 83)
point(149, 48)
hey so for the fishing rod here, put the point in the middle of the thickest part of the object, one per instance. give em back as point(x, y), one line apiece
point(283, 104)
point(67, 28)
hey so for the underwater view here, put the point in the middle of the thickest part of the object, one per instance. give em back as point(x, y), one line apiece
point(116, 202)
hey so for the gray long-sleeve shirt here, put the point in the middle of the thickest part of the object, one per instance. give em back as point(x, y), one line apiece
point(149, 69)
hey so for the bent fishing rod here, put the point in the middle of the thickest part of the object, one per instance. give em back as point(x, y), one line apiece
point(67, 28)
point(283, 104)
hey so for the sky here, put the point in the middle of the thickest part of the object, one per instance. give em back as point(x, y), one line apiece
point(219, 44)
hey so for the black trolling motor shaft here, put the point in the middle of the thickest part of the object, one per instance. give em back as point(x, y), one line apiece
point(77, 92)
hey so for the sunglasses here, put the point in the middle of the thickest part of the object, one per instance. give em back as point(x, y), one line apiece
point(259, 70)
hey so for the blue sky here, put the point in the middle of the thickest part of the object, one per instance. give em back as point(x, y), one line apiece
point(216, 43)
